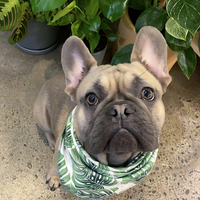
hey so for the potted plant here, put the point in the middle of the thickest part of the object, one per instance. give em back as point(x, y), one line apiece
point(18, 16)
point(87, 18)
point(92, 22)
point(179, 21)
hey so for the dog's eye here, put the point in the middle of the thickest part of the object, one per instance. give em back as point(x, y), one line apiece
point(91, 99)
point(147, 94)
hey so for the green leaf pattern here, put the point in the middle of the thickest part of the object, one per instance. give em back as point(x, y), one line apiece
point(85, 177)
point(9, 13)
point(175, 30)
point(185, 12)
point(20, 31)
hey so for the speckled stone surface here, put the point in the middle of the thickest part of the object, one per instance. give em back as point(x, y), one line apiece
point(25, 159)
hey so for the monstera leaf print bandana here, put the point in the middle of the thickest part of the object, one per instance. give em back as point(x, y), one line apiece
point(86, 178)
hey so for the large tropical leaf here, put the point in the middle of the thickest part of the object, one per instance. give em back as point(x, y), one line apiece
point(9, 14)
point(175, 29)
point(185, 12)
point(153, 16)
point(46, 5)
point(20, 30)
point(177, 44)
point(113, 9)
point(187, 61)
point(123, 55)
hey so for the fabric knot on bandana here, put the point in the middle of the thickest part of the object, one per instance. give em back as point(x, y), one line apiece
point(86, 178)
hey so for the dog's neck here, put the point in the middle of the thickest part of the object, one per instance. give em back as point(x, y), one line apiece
point(89, 174)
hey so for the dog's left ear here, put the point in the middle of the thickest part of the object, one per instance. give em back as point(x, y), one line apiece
point(150, 48)
point(76, 62)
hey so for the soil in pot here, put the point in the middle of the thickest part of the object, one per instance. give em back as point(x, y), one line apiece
point(102, 44)
point(134, 14)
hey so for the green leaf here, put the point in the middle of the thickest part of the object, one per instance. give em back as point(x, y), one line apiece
point(20, 31)
point(64, 12)
point(153, 16)
point(91, 26)
point(105, 24)
point(85, 30)
point(140, 5)
point(175, 29)
point(75, 28)
point(113, 9)
point(93, 41)
point(185, 12)
point(63, 21)
point(176, 44)
point(45, 5)
point(49, 15)
point(95, 23)
point(68, 19)
point(91, 7)
point(187, 61)
point(42, 16)
point(9, 14)
point(123, 55)
point(112, 37)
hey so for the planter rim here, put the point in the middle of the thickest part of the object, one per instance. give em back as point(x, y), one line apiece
point(99, 52)
point(41, 38)
point(99, 56)
point(37, 51)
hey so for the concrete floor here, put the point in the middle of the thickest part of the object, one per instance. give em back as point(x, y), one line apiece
point(25, 159)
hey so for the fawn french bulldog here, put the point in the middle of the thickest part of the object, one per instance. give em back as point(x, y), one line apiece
point(119, 110)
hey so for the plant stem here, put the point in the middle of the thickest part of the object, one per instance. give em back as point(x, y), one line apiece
point(99, 13)
point(162, 3)
point(80, 10)
point(145, 4)
point(155, 2)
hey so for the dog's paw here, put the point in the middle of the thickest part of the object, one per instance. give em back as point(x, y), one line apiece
point(53, 183)
point(52, 179)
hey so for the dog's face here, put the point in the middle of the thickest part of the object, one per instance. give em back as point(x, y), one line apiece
point(119, 111)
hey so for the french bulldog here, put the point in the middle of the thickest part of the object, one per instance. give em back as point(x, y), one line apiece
point(119, 109)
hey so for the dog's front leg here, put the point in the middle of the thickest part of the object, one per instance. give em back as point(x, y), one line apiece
point(52, 178)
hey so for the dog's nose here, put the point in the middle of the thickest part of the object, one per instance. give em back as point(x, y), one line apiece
point(120, 111)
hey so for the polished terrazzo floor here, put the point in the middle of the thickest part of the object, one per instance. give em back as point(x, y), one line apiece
point(24, 158)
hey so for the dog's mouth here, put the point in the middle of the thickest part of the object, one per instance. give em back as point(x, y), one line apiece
point(121, 148)
point(122, 142)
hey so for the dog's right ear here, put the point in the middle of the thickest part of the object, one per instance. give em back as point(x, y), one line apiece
point(150, 48)
point(76, 62)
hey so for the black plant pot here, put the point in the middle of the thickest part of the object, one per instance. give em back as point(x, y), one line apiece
point(41, 38)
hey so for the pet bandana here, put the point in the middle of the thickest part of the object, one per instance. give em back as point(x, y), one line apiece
point(86, 178)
